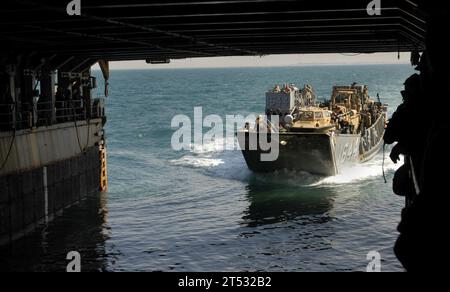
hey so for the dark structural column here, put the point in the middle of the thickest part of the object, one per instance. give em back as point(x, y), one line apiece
point(48, 95)
point(64, 96)
point(87, 83)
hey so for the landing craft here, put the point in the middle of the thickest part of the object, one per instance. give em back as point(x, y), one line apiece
point(317, 138)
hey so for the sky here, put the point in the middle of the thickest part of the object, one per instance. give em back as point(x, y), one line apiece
point(271, 61)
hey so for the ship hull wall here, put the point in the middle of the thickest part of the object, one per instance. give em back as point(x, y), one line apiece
point(35, 148)
point(45, 174)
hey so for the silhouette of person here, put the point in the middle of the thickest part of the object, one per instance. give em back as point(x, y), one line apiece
point(421, 128)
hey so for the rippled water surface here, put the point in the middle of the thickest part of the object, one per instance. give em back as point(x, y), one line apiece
point(186, 211)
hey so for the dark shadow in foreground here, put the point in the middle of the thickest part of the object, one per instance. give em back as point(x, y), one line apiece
point(421, 128)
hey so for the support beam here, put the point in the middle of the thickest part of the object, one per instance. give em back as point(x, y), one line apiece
point(47, 101)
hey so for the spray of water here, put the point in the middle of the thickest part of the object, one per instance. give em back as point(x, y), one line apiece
point(217, 161)
point(360, 172)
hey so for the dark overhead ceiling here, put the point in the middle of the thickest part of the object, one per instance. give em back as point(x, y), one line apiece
point(137, 29)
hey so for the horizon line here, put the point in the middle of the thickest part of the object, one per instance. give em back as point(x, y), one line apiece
point(255, 67)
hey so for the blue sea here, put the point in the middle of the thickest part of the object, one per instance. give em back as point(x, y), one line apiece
point(205, 211)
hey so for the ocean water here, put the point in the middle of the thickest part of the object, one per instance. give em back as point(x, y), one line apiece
point(189, 211)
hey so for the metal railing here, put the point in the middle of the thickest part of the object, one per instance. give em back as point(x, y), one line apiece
point(372, 136)
point(30, 115)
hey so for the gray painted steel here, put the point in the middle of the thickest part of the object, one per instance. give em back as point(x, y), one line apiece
point(35, 148)
point(47, 170)
point(28, 199)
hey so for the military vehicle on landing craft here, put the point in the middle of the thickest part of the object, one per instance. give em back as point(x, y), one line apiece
point(317, 138)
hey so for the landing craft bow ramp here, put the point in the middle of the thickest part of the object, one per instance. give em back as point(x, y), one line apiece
point(160, 30)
